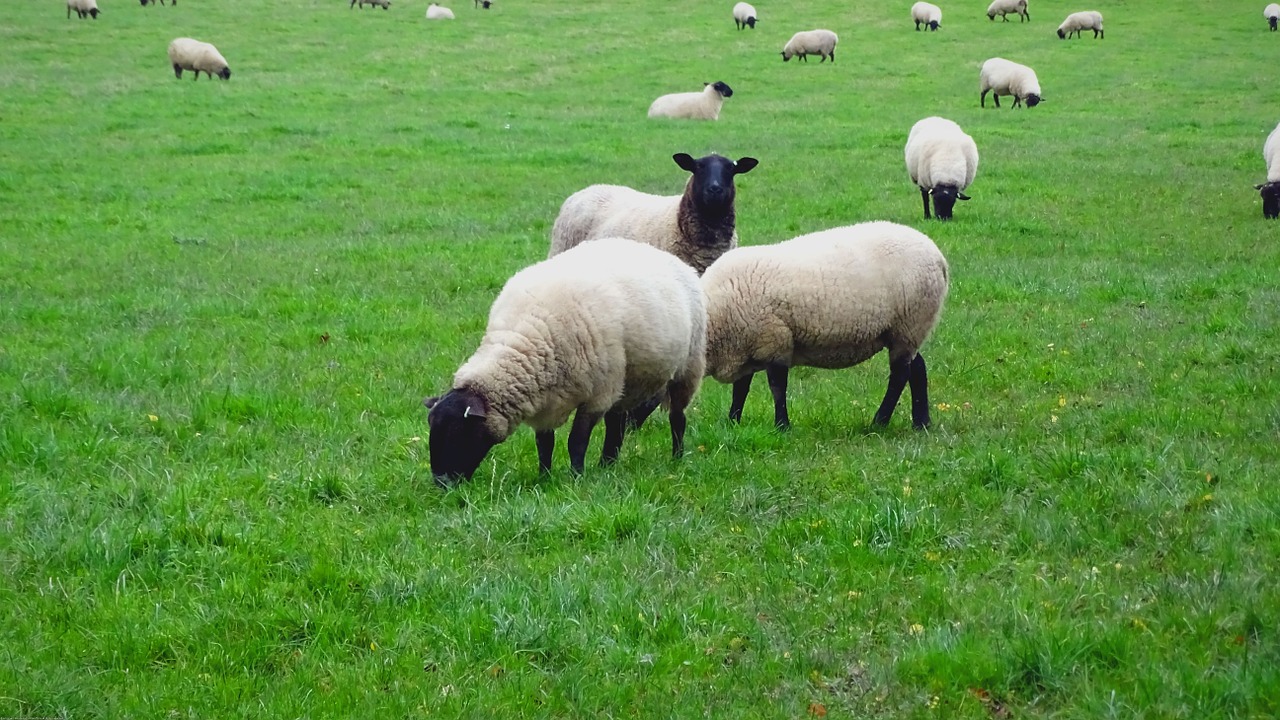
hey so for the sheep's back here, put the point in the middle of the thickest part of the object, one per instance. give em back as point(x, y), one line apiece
point(602, 211)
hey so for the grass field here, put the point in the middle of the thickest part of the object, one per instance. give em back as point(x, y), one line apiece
point(221, 304)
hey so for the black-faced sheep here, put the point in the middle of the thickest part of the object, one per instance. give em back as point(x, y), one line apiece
point(942, 161)
point(1085, 20)
point(926, 14)
point(806, 42)
point(1270, 190)
point(83, 9)
point(1004, 77)
point(1004, 7)
point(704, 105)
point(189, 54)
point(744, 16)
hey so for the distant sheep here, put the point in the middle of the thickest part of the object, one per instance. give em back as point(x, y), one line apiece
point(744, 16)
point(1004, 7)
point(83, 8)
point(1004, 77)
point(816, 42)
point(189, 54)
point(153, 2)
point(593, 331)
point(1271, 188)
point(486, 4)
point(928, 14)
point(1087, 20)
point(1272, 14)
point(703, 105)
point(830, 299)
point(697, 226)
point(942, 161)
point(438, 12)
point(384, 4)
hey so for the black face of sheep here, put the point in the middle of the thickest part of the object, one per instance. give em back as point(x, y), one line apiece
point(94, 13)
point(934, 25)
point(459, 440)
point(1270, 199)
point(722, 88)
point(944, 200)
point(1062, 34)
point(751, 23)
point(225, 73)
point(1272, 22)
point(713, 191)
point(1034, 100)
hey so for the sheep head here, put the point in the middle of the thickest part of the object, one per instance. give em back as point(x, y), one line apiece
point(711, 189)
point(459, 436)
point(1270, 199)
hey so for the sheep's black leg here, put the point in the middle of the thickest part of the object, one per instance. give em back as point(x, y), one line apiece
point(615, 426)
point(636, 416)
point(919, 393)
point(177, 71)
point(741, 387)
point(982, 99)
point(679, 394)
point(917, 26)
point(777, 375)
point(899, 373)
point(546, 441)
point(924, 195)
point(996, 97)
point(579, 437)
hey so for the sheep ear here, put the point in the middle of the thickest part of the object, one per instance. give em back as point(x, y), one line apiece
point(745, 165)
point(962, 196)
point(1259, 187)
point(475, 408)
point(430, 402)
point(685, 161)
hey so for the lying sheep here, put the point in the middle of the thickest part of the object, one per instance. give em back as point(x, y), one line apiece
point(744, 16)
point(942, 161)
point(384, 4)
point(928, 14)
point(1004, 77)
point(703, 105)
point(1272, 14)
point(830, 299)
point(1270, 190)
point(817, 42)
point(1075, 22)
point(189, 54)
point(596, 330)
point(437, 12)
point(1004, 7)
point(83, 8)
point(697, 226)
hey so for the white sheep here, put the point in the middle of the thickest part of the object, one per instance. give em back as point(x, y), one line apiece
point(1270, 190)
point(928, 14)
point(1005, 77)
point(384, 4)
point(438, 12)
point(83, 8)
point(1085, 20)
point(703, 105)
point(597, 330)
point(806, 42)
point(190, 54)
point(830, 299)
point(942, 161)
point(744, 16)
point(1004, 7)
point(1272, 14)
point(697, 226)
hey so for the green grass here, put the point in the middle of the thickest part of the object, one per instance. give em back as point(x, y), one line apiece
point(221, 305)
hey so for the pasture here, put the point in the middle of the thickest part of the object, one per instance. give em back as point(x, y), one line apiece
point(221, 304)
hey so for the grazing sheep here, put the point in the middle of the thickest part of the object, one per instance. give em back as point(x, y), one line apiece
point(1075, 22)
point(597, 330)
point(437, 12)
point(153, 2)
point(1004, 7)
point(817, 42)
point(697, 226)
point(1004, 77)
point(744, 16)
point(384, 4)
point(830, 299)
point(83, 8)
point(928, 14)
point(703, 105)
point(189, 54)
point(1272, 14)
point(1270, 190)
point(942, 161)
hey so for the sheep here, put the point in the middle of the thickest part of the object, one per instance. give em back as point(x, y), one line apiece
point(438, 12)
point(829, 299)
point(928, 14)
point(189, 54)
point(697, 226)
point(703, 105)
point(942, 161)
point(1004, 7)
point(1075, 22)
point(1272, 14)
point(1270, 190)
point(1004, 77)
point(83, 8)
point(153, 2)
point(596, 330)
point(485, 3)
point(818, 42)
point(744, 16)
point(384, 4)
